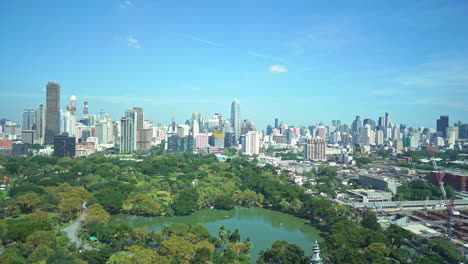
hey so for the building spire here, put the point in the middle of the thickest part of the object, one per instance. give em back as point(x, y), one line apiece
point(316, 259)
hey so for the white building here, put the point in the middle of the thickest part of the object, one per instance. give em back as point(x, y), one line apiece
point(251, 143)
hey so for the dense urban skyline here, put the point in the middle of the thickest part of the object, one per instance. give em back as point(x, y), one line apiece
point(301, 61)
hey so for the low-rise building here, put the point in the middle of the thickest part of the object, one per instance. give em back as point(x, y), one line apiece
point(370, 196)
point(378, 182)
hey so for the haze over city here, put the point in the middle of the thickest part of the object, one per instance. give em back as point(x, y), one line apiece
point(301, 61)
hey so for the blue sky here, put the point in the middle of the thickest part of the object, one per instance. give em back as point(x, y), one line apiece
point(301, 61)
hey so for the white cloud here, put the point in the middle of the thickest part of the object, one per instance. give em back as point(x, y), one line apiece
point(126, 4)
point(133, 42)
point(277, 68)
point(255, 54)
point(205, 41)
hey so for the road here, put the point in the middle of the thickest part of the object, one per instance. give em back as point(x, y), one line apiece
point(72, 230)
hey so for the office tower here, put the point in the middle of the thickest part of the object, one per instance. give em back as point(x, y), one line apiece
point(452, 132)
point(388, 121)
point(29, 119)
point(356, 125)
point(180, 144)
point(463, 131)
point(276, 123)
point(379, 137)
point(140, 117)
point(314, 149)
point(236, 118)
point(195, 124)
point(370, 122)
point(269, 130)
point(251, 143)
point(40, 123)
point(64, 146)
point(217, 139)
point(52, 112)
point(70, 118)
point(442, 124)
point(247, 126)
point(229, 139)
point(396, 132)
point(128, 138)
point(381, 122)
point(85, 110)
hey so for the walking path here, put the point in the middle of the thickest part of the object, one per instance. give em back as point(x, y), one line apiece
point(72, 230)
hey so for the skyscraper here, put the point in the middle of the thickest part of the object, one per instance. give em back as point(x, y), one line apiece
point(41, 123)
point(370, 122)
point(29, 119)
point(388, 121)
point(128, 138)
point(276, 123)
point(70, 118)
point(442, 124)
point(195, 124)
point(356, 125)
point(52, 112)
point(381, 122)
point(236, 118)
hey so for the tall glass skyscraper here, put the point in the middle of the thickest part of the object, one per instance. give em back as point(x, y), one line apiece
point(442, 124)
point(236, 118)
point(52, 112)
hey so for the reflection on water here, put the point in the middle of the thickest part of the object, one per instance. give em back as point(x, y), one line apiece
point(262, 226)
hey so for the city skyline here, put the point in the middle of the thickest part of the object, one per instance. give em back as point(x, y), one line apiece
point(301, 62)
point(180, 120)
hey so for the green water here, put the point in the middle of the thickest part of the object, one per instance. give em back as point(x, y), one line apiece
point(262, 226)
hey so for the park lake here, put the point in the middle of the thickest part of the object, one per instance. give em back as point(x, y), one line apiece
point(262, 226)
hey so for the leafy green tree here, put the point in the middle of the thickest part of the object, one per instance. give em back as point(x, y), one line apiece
point(97, 214)
point(28, 201)
point(234, 236)
point(202, 256)
point(370, 221)
point(185, 202)
point(224, 202)
point(284, 253)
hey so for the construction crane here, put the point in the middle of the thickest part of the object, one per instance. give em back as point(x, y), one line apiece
point(450, 205)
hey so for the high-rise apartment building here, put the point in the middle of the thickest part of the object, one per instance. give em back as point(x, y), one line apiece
point(128, 138)
point(29, 119)
point(251, 143)
point(40, 123)
point(314, 149)
point(52, 112)
point(442, 124)
point(236, 118)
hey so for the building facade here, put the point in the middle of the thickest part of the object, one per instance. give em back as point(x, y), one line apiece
point(236, 118)
point(52, 112)
point(314, 149)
